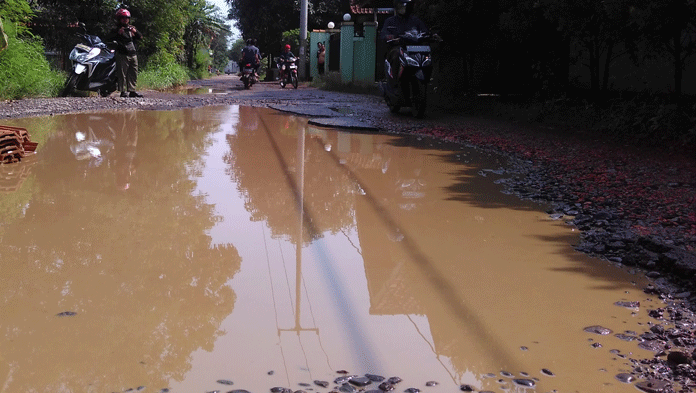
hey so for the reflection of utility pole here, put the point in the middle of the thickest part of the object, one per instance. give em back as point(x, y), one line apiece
point(300, 229)
point(303, 40)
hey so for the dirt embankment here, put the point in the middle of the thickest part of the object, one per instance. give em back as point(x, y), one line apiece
point(634, 207)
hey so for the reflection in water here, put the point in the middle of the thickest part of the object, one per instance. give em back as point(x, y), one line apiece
point(145, 297)
point(368, 253)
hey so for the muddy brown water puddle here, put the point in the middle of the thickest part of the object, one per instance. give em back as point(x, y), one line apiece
point(174, 249)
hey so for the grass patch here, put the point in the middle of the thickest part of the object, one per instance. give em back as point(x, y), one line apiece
point(24, 70)
point(162, 72)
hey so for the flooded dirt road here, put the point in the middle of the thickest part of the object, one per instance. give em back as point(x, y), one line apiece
point(222, 248)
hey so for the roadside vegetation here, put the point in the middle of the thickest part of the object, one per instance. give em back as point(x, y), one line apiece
point(24, 70)
point(183, 40)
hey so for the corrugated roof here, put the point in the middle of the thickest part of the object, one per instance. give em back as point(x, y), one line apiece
point(362, 7)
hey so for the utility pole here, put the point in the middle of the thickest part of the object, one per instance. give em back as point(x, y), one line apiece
point(303, 40)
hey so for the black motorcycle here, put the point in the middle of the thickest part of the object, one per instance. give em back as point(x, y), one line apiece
point(94, 67)
point(249, 76)
point(408, 86)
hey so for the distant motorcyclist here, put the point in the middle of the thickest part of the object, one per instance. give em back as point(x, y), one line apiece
point(251, 55)
point(285, 59)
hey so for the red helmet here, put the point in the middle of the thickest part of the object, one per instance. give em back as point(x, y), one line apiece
point(121, 13)
point(287, 47)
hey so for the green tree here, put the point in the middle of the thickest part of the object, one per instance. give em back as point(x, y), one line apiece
point(235, 53)
point(202, 28)
point(598, 28)
point(266, 21)
point(670, 26)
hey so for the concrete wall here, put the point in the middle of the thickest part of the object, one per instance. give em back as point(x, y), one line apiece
point(358, 54)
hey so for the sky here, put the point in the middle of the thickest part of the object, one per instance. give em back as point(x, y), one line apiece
point(222, 5)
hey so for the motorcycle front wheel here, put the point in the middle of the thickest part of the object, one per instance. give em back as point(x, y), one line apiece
point(70, 84)
point(418, 97)
point(293, 79)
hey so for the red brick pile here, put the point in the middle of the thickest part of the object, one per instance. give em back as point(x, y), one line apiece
point(14, 144)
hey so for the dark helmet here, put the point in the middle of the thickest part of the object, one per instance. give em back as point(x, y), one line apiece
point(403, 7)
point(122, 12)
point(250, 41)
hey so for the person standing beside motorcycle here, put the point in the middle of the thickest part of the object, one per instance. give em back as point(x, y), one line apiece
point(125, 35)
point(284, 60)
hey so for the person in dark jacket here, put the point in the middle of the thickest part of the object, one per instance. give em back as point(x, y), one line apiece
point(125, 35)
point(251, 55)
point(402, 21)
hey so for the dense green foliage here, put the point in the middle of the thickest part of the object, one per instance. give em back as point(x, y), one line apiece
point(547, 47)
point(182, 39)
point(265, 20)
point(24, 69)
point(163, 72)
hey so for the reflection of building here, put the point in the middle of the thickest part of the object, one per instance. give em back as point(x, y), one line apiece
point(389, 279)
point(409, 257)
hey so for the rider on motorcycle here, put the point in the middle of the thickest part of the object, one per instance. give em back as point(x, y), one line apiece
point(402, 21)
point(287, 54)
point(251, 55)
point(395, 26)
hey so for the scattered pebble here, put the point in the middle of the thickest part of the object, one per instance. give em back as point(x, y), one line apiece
point(597, 330)
point(625, 377)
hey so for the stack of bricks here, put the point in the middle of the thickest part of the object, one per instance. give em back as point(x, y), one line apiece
point(14, 144)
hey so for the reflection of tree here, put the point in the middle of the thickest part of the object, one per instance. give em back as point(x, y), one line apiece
point(137, 267)
point(328, 192)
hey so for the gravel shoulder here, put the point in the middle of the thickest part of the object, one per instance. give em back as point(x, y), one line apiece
point(634, 207)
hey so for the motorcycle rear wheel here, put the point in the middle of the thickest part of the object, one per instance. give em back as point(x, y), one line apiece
point(70, 84)
point(293, 79)
point(247, 83)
